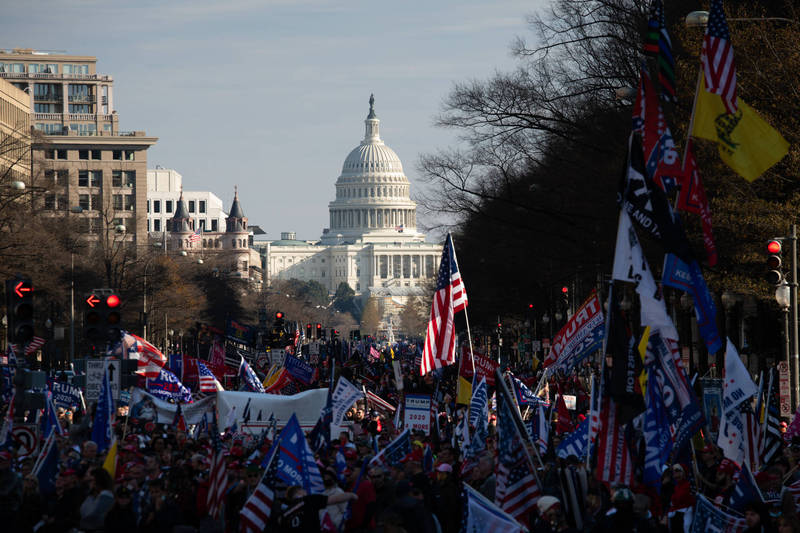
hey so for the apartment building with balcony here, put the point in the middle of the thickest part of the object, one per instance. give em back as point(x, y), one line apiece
point(82, 158)
point(15, 134)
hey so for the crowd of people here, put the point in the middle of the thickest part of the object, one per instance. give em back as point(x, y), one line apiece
point(161, 479)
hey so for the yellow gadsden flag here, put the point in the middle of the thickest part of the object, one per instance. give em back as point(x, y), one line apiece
point(746, 142)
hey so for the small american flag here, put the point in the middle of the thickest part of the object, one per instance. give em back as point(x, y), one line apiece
point(399, 229)
point(719, 68)
point(194, 237)
point(517, 488)
point(258, 508)
point(218, 476)
point(151, 360)
point(207, 381)
point(450, 297)
point(34, 345)
point(379, 402)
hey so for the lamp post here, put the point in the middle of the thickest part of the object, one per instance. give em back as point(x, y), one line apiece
point(699, 19)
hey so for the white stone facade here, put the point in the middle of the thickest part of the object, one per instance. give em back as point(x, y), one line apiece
point(372, 243)
point(164, 187)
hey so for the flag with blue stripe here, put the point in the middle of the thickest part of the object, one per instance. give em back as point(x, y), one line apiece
point(395, 451)
point(575, 443)
point(50, 419)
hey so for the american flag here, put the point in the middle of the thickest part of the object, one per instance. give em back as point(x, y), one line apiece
point(208, 383)
point(258, 508)
point(614, 463)
point(194, 237)
point(218, 475)
point(517, 490)
point(450, 297)
point(34, 345)
point(772, 436)
point(151, 360)
point(752, 437)
point(719, 68)
point(379, 402)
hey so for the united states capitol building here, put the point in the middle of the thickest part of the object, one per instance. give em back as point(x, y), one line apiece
point(372, 242)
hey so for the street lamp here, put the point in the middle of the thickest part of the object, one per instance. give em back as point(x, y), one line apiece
point(699, 19)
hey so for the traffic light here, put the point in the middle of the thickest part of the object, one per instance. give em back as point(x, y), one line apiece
point(565, 296)
point(774, 248)
point(334, 334)
point(19, 309)
point(308, 331)
point(319, 331)
point(323, 332)
point(113, 318)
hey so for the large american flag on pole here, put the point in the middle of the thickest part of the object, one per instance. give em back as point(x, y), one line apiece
point(719, 68)
point(218, 476)
point(614, 462)
point(450, 297)
point(151, 360)
point(207, 381)
point(194, 237)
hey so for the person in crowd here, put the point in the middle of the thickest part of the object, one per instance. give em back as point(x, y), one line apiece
point(682, 501)
point(99, 501)
point(121, 518)
point(756, 516)
point(302, 509)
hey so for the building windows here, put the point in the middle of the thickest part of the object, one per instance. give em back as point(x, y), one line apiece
point(116, 155)
point(202, 224)
point(156, 206)
point(83, 178)
point(168, 206)
point(148, 206)
point(96, 155)
point(55, 154)
point(129, 178)
point(233, 243)
point(83, 201)
point(116, 178)
point(80, 108)
point(202, 206)
point(129, 202)
point(76, 69)
point(117, 202)
point(148, 225)
point(214, 225)
point(123, 155)
point(156, 224)
point(191, 206)
point(83, 129)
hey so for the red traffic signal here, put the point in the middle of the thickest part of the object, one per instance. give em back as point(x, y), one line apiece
point(23, 288)
point(565, 289)
point(278, 315)
point(774, 247)
point(112, 301)
point(530, 306)
point(319, 326)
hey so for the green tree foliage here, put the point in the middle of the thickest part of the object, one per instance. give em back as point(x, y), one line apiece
point(344, 300)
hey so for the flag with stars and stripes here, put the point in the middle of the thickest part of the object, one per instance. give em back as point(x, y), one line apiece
point(207, 381)
point(517, 490)
point(772, 438)
point(716, 57)
point(194, 237)
point(256, 512)
point(395, 451)
point(483, 516)
point(218, 474)
point(450, 297)
point(35, 344)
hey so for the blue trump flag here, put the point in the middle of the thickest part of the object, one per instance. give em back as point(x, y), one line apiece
point(50, 418)
point(46, 468)
point(247, 378)
point(478, 412)
point(101, 430)
point(167, 386)
point(296, 464)
point(745, 491)
point(658, 441)
point(575, 443)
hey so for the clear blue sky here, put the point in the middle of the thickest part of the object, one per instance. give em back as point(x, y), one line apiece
point(270, 95)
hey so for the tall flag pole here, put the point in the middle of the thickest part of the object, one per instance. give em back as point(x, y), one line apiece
point(450, 297)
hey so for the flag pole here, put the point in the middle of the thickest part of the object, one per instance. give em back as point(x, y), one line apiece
point(766, 410)
point(466, 315)
point(519, 426)
point(691, 120)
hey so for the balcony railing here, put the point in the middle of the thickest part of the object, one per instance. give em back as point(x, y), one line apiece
point(46, 76)
point(74, 116)
point(48, 98)
point(82, 98)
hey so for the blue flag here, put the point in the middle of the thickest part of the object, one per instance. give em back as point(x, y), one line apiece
point(296, 464)
point(689, 278)
point(575, 443)
point(47, 469)
point(745, 491)
point(658, 441)
point(341, 465)
point(248, 379)
point(167, 386)
point(50, 418)
point(395, 451)
point(525, 396)
point(102, 428)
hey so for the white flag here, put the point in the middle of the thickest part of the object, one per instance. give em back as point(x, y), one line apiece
point(344, 395)
point(738, 388)
point(631, 265)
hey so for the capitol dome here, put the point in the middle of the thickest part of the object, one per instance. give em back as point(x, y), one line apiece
point(373, 197)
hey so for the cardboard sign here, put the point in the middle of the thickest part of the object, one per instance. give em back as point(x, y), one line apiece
point(417, 413)
point(277, 356)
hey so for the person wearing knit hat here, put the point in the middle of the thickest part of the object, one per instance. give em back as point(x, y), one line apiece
point(682, 501)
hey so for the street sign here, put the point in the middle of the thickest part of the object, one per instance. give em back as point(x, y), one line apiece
point(25, 437)
point(313, 348)
point(784, 388)
point(94, 378)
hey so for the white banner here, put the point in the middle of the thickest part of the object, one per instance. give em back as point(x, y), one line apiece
point(418, 413)
point(306, 405)
point(165, 411)
point(344, 396)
